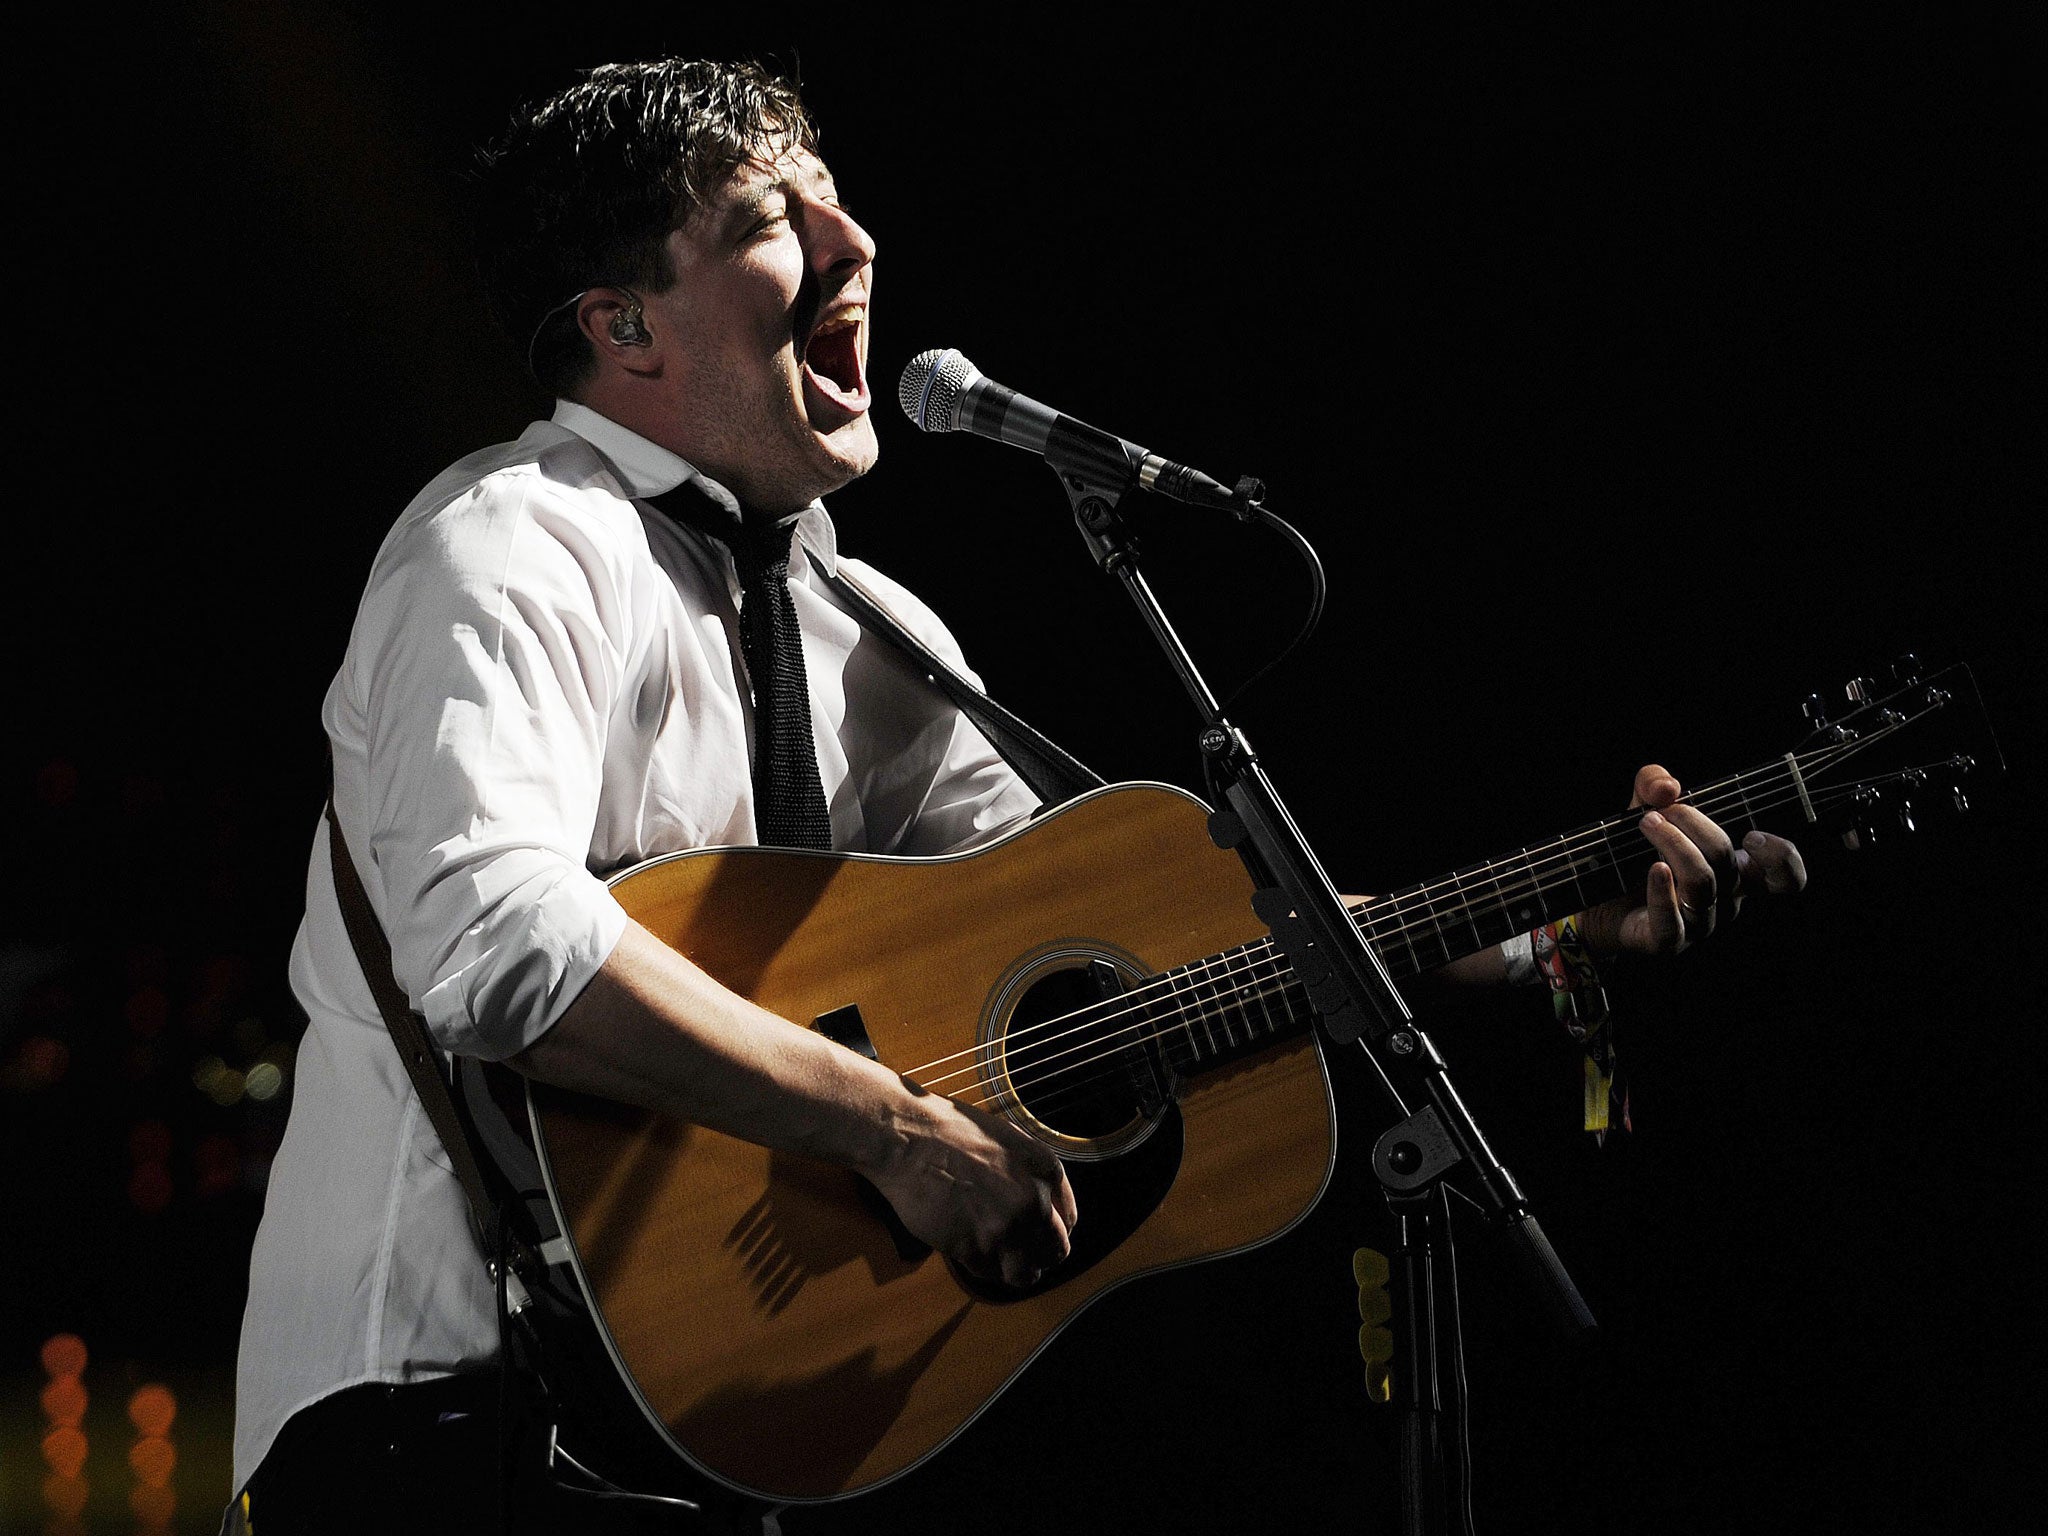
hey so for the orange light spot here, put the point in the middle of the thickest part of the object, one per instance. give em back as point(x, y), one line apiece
point(155, 1505)
point(66, 1496)
point(64, 1401)
point(149, 1141)
point(64, 1450)
point(153, 1460)
point(149, 1187)
point(147, 1011)
point(152, 1408)
point(42, 1061)
point(64, 1354)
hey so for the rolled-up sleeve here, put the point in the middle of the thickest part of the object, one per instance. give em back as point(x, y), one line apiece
point(486, 660)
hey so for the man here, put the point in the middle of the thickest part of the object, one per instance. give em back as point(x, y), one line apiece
point(551, 678)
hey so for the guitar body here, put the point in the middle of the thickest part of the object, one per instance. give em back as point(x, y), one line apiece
point(769, 1318)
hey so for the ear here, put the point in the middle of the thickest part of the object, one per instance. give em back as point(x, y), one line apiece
point(616, 326)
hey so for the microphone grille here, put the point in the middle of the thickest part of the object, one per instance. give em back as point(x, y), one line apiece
point(931, 386)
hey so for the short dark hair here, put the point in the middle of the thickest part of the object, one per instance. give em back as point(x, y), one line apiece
point(584, 187)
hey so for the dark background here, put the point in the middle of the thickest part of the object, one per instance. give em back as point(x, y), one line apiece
point(1633, 375)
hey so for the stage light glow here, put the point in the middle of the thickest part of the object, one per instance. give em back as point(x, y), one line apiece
point(152, 1408)
point(40, 1063)
point(64, 1449)
point(149, 1187)
point(65, 1496)
point(149, 1141)
point(153, 1459)
point(64, 1354)
point(155, 1505)
point(264, 1080)
point(64, 1402)
point(147, 1011)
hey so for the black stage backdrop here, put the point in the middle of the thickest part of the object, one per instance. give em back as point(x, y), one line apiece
point(1634, 374)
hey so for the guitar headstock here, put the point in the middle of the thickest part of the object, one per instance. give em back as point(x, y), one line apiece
point(1893, 753)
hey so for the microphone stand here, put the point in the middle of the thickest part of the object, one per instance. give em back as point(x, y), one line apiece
point(1433, 1135)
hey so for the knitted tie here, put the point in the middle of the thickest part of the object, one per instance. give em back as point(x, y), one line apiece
point(789, 797)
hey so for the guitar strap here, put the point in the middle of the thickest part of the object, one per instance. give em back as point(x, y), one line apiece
point(409, 1033)
point(1053, 773)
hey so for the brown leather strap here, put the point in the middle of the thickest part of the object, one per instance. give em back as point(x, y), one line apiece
point(408, 1030)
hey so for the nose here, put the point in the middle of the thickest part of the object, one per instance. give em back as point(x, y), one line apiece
point(839, 246)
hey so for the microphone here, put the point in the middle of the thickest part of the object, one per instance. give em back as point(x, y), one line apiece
point(943, 392)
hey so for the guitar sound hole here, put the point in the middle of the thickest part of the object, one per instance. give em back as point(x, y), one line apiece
point(1076, 1061)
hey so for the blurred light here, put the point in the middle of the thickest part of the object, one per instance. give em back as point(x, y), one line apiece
point(152, 1408)
point(155, 1504)
point(57, 784)
point(64, 1354)
point(153, 1459)
point(40, 1063)
point(64, 1450)
point(149, 1187)
point(66, 1495)
point(149, 1141)
point(64, 1401)
point(208, 1073)
point(147, 1011)
point(218, 1162)
point(264, 1080)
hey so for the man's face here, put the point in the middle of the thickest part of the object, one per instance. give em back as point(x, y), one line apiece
point(768, 323)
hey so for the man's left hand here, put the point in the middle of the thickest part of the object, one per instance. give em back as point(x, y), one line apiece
point(1698, 883)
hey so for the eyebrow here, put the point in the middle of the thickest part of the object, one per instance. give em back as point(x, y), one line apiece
point(815, 174)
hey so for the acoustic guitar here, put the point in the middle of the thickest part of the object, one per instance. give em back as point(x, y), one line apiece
point(1096, 977)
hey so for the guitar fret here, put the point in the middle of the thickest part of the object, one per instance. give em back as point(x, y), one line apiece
point(1186, 1000)
point(1212, 1007)
point(1251, 992)
point(1748, 810)
point(1467, 910)
point(1272, 982)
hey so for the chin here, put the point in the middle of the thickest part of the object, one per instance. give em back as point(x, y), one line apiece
point(851, 451)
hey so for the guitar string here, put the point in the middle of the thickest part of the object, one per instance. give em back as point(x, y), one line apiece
point(1031, 1071)
point(1118, 1054)
point(1377, 931)
point(1217, 1006)
point(1377, 917)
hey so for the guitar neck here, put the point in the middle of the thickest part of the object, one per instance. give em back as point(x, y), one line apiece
point(1225, 1006)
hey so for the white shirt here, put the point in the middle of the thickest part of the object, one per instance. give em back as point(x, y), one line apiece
point(542, 687)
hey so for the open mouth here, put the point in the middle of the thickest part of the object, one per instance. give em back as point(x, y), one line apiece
point(832, 359)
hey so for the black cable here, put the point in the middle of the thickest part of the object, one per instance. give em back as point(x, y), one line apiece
point(1256, 511)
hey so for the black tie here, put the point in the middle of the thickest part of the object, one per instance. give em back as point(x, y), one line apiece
point(789, 798)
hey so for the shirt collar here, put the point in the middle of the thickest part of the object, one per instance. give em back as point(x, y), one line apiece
point(644, 469)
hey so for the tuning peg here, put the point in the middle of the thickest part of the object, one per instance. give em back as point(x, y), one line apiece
point(1816, 711)
point(1861, 832)
point(1906, 670)
point(1958, 797)
point(1860, 690)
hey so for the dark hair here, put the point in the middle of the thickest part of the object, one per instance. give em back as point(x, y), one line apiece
point(583, 189)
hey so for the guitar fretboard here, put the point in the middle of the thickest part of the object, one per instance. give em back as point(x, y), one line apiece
point(1226, 1006)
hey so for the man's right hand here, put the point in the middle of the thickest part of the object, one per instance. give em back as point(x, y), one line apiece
point(978, 1189)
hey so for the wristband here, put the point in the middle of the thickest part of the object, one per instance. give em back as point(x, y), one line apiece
point(1558, 951)
point(1519, 955)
